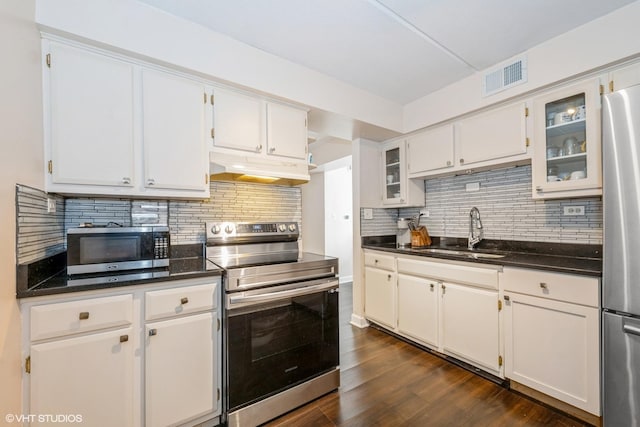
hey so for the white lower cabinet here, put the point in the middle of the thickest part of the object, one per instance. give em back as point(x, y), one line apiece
point(90, 376)
point(380, 296)
point(451, 307)
point(552, 335)
point(470, 325)
point(418, 308)
point(181, 383)
point(179, 367)
point(86, 355)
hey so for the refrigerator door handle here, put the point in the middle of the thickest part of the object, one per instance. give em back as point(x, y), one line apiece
point(631, 329)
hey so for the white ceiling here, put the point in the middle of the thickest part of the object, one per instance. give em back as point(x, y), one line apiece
point(400, 50)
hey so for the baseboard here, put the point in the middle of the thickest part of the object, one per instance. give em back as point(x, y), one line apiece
point(359, 321)
point(571, 410)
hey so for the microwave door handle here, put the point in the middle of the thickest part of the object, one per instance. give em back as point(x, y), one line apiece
point(274, 296)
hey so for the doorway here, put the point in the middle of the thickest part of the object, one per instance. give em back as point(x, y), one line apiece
point(338, 215)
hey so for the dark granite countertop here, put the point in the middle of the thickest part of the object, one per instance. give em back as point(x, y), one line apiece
point(560, 257)
point(49, 276)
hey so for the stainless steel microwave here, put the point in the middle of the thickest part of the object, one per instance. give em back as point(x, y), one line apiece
point(111, 249)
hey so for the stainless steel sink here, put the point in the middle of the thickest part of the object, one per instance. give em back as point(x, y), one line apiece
point(475, 255)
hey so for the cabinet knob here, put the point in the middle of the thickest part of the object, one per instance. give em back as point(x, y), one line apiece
point(443, 287)
point(388, 277)
point(84, 315)
point(539, 189)
point(401, 200)
point(507, 298)
point(272, 149)
point(124, 338)
point(151, 181)
point(431, 285)
point(126, 180)
point(448, 162)
point(258, 148)
point(184, 300)
point(462, 161)
point(375, 261)
point(153, 332)
point(543, 285)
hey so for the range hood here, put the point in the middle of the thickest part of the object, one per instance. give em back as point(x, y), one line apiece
point(248, 168)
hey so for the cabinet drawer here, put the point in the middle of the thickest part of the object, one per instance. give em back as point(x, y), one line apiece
point(65, 318)
point(378, 260)
point(558, 286)
point(456, 273)
point(175, 301)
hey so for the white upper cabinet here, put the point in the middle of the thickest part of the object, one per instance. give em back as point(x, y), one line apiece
point(114, 127)
point(567, 147)
point(625, 77)
point(496, 134)
point(90, 118)
point(479, 142)
point(246, 123)
point(238, 121)
point(398, 189)
point(431, 150)
point(173, 132)
point(286, 131)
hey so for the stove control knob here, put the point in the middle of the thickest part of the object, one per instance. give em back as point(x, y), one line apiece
point(215, 229)
point(292, 227)
point(228, 229)
point(282, 228)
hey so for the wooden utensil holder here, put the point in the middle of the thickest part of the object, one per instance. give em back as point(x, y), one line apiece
point(420, 237)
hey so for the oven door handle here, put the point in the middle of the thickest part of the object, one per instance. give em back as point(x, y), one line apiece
point(274, 296)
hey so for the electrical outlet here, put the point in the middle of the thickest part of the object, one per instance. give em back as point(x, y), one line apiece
point(51, 205)
point(472, 186)
point(573, 210)
point(368, 213)
point(425, 212)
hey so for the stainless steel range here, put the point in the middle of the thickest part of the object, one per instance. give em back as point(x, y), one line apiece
point(281, 319)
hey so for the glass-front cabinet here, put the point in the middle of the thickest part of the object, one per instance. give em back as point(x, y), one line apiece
point(397, 188)
point(567, 146)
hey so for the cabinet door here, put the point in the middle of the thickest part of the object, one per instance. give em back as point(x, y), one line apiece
point(380, 299)
point(90, 118)
point(470, 324)
point(238, 121)
point(393, 166)
point(180, 373)
point(553, 347)
point(418, 308)
point(173, 132)
point(91, 375)
point(625, 77)
point(286, 131)
point(567, 149)
point(493, 135)
point(431, 150)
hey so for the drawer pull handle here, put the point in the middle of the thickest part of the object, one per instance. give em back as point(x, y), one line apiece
point(84, 315)
point(153, 332)
point(184, 300)
point(543, 285)
point(124, 338)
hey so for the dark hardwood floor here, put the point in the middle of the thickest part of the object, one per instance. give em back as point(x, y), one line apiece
point(388, 382)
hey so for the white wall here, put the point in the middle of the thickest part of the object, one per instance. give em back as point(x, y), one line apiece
point(313, 214)
point(21, 162)
point(604, 41)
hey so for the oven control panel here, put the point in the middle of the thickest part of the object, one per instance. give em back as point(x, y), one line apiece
point(230, 232)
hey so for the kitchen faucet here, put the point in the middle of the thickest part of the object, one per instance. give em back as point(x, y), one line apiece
point(475, 224)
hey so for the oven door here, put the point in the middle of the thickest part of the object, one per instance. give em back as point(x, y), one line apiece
point(278, 339)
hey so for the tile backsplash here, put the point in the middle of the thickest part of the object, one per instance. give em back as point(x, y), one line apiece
point(508, 212)
point(41, 234)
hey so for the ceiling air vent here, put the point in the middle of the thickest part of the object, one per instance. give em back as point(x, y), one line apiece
point(509, 75)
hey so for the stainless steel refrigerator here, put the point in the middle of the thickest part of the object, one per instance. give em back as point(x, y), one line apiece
point(621, 269)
